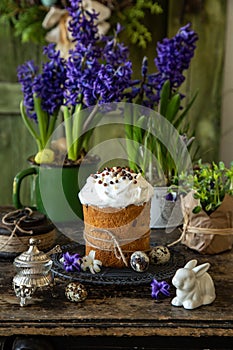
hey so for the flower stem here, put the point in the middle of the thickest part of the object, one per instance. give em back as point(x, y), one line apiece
point(90, 118)
point(51, 126)
point(68, 129)
point(77, 130)
point(130, 140)
point(42, 119)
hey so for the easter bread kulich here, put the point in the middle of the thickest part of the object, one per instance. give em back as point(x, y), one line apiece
point(116, 208)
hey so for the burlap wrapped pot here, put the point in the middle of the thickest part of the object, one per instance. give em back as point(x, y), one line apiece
point(208, 234)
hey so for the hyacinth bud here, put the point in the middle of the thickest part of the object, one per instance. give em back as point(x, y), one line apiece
point(144, 66)
point(119, 28)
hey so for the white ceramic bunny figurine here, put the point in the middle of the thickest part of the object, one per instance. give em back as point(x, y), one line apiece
point(194, 286)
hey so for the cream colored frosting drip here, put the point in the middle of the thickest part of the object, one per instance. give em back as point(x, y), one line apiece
point(117, 188)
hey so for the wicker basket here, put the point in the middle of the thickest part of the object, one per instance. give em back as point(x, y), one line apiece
point(17, 226)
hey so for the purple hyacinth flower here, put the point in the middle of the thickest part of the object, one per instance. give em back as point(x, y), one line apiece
point(72, 262)
point(159, 288)
point(98, 69)
point(26, 74)
point(174, 56)
point(49, 85)
point(114, 53)
point(171, 196)
point(82, 24)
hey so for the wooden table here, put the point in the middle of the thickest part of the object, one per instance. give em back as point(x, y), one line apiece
point(123, 319)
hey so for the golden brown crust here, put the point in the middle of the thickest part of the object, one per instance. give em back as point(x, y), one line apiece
point(106, 228)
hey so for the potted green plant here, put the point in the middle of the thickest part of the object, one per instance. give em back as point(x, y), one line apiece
point(207, 205)
point(96, 72)
point(166, 131)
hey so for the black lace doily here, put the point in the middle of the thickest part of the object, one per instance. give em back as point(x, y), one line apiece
point(114, 276)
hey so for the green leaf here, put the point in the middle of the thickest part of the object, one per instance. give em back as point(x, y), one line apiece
point(196, 196)
point(27, 22)
point(33, 33)
point(139, 129)
point(185, 111)
point(155, 8)
point(173, 107)
point(138, 33)
point(141, 121)
point(129, 131)
point(208, 207)
point(221, 166)
point(138, 134)
point(164, 97)
point(197, 209)
point(30, 126)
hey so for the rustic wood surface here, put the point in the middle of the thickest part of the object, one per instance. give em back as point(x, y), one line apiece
point(122, 313)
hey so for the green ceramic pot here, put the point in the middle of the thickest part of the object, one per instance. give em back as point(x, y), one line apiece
point(55, 189)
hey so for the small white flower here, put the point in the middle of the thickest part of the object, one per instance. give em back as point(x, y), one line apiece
point(89, 262)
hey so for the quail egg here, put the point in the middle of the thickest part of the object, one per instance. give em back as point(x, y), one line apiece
point(76, 292)
point(139, 261)
point(159, 255)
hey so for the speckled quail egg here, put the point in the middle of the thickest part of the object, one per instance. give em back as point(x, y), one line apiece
point(76, 292)
point(159, 255)
point(139, 261)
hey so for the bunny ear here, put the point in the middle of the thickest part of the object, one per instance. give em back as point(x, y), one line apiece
point(201, 269)
point(191, 264)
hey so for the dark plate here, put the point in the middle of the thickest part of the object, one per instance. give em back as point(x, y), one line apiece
point(114, 276)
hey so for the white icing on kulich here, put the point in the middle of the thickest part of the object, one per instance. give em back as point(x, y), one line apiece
point(116, 187)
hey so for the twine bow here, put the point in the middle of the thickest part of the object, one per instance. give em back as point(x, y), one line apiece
point(116, 246)
point(198, 230)
point(16, 224)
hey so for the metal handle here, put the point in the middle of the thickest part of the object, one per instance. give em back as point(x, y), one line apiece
point(17, 185)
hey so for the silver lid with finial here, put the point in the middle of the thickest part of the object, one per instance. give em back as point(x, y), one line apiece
point(33, 256)
point(33, 270)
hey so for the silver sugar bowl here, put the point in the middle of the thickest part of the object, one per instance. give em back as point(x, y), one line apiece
point(33, 269)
